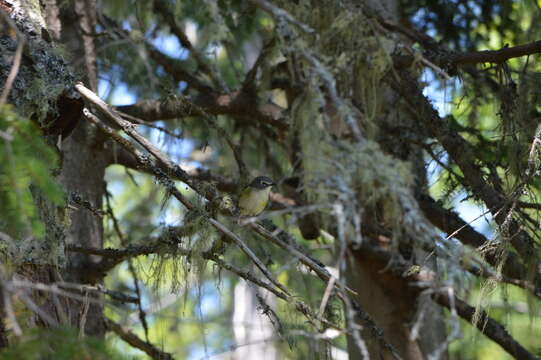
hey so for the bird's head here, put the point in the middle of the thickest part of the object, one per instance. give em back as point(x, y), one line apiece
point(261, 183)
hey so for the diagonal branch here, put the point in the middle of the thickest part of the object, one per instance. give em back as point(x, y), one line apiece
point(123, 157)
point(451, 222)
point(425, 279)
point(168, 183)
point(463, 155)
point(176, 69)
point(162, 7)
point(487, 325)
point(132, 339)
point(171, 167)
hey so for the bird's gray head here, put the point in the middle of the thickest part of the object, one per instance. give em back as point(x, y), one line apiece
point(262, 182)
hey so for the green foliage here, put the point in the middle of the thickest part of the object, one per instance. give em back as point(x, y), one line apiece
point(25, 161)
point(59, 344)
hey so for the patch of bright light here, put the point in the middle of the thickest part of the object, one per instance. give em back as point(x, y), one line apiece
point(169, 45)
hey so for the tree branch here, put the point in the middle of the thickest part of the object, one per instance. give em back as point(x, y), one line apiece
point(425, 279)
point(496, 56)
point(452, 223)
point(116, 256)
point(132, 339)
point(162, 7)
point(463, 155)
point(485, 324)
point(176, 69)
point(123, 157)
point(239, 104)
point(449, 60)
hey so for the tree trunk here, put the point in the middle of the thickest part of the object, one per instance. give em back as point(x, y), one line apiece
point(81, 171)
point(388, 299)
point(84, 163)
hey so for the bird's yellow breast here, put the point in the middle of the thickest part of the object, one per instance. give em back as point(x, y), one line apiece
point(253, 201)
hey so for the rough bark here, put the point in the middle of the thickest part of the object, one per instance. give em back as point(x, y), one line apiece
point(81, 170)
point(83, 167)
point(390, 302)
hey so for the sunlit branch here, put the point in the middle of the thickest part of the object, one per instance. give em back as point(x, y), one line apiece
point(132, 339)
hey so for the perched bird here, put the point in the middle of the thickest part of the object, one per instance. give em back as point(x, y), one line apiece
point(254, 198)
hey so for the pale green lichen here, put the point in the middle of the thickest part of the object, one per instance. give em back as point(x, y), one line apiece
point(343, 89)
point(43, 76)
point(173, 265)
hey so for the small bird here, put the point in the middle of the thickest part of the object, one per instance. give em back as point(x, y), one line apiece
point(255, 197)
